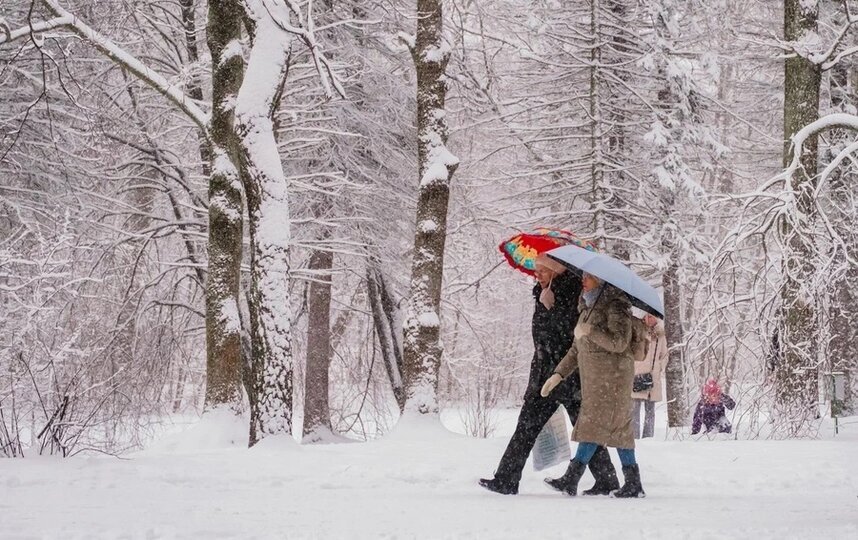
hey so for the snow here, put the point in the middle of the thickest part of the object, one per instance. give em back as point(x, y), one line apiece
point(658, 134)
point(809, 45)
point(221, 203)
point(217, 430)
point(809, 6)
point(428, 319)
point(409, 39)
point(439, 159)
point(665, 179)
point(229, 315)
point(427, 226)
point(222, 165)
point(414, 427)
point(437, 53)
point(230, 50)
point(410, 486)
point(438, 163)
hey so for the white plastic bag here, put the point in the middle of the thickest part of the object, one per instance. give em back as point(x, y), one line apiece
point(552, 443)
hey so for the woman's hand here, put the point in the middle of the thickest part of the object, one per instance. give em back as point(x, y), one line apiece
point(550, 384)
point(582, 329)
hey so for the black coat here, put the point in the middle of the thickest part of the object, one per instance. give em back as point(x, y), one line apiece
point(552, 336)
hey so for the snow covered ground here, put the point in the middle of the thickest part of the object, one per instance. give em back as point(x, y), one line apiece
point(422, 484)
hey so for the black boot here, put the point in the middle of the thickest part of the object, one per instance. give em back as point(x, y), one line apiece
point(568, 483)
point(604, 472)
point(499, 486)
point(632, 487)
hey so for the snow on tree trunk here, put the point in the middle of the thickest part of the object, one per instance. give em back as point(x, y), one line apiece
point(796, 372)
point(223, 328)
point(268, 215)
point(317, 415)
point(422, 347)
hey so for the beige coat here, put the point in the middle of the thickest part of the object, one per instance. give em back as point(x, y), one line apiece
point(654, 362)
point(602, 353)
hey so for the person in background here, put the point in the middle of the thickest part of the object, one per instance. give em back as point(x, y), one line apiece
point(653, 363)
point(603, 354)
point(555, 315)
point(711, 410)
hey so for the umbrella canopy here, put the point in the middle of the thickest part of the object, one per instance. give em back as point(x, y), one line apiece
point(609, 269)
point(522, 249)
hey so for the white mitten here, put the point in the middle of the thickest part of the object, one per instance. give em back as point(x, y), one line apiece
point(550, 384)
point(582, 329)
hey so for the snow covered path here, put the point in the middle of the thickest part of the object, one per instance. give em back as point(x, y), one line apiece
point(404, 488)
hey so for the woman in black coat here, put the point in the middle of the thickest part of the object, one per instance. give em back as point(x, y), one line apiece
point(555, 315)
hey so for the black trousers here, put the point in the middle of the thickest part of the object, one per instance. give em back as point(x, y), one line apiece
point(534, 414)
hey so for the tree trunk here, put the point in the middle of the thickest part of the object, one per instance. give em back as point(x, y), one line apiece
point(796, 373)
point(597, 165)
point(675, 112)
point(676, 389)
point(195, 89)
point(268, 215)
point(422, 355)
point(317, 415)
point(223, 328)
point(384, 318)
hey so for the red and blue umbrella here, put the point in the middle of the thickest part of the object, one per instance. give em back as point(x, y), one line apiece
point(522, 249)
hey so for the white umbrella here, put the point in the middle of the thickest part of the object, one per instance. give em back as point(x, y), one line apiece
point(609, 269)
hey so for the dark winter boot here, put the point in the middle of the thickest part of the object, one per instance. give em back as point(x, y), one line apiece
point(632, 487)
point(568, 483)
point(499, 486)
point(604, 473)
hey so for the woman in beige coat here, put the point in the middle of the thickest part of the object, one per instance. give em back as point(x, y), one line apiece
point(653, 363)
point(603, 355)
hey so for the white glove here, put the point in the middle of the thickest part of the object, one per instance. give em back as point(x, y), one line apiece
point(550, 384)
point(582, 329)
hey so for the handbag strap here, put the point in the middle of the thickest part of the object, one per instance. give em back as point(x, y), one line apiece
point(654, 352)
point(652, 368)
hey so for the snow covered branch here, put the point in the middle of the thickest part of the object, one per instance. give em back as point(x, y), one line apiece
point(8, 35)
point(810, 45)
point(304, 29)
point(831, 121)
point(117, 54)
point(7, 30)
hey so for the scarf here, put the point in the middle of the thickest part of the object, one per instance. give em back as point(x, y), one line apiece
point(591, 296)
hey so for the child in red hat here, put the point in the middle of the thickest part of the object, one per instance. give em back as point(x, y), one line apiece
point(711, 410)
